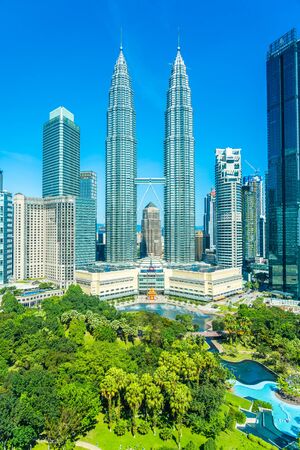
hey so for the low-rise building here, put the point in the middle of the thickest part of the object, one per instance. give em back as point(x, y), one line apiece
point(34, 298)
point(198, 282)
point(206, 285)
point(108, 283)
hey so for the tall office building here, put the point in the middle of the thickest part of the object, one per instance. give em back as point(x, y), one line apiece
point(201, 244)
point(228, 175)
point(6, 234)
point(88, 184)
point(86, 220)
point(209, 218)
point(250, 225)
point(256, 184)
point(151, 232)
point(179, 196)
point(44, 238)
point(283, 81)
point(121, 168)
point(61, 154)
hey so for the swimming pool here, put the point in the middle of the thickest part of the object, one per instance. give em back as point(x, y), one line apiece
point(286, 417)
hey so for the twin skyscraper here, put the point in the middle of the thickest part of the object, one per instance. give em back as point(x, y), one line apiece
point(121, 168)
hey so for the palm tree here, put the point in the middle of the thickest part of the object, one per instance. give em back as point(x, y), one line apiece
point(154, 402)
point(109, 389)
point(180, 399)
point(134, 397)
point(188, 369)
point(120, 377)
point(166, 378)
point(199, 363)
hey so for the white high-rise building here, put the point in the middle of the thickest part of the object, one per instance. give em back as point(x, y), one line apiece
point(228, 173)
point(44, 238)
point(29, 237)
point(60, 215)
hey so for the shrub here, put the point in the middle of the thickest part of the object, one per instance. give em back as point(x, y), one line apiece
point(121, 427)
point(240, 417)
point(209, 445)
point(260, 403)
point(165, 434)
point(191, 446)
point(143, 427)
point(230, 420)
point(260, 442)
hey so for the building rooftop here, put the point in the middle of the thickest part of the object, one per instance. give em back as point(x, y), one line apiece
point(61, 112)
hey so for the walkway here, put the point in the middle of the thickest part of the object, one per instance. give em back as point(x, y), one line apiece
point(87, 445)
point(209, 334)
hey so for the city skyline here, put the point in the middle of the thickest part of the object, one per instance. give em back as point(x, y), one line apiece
point(212, 106)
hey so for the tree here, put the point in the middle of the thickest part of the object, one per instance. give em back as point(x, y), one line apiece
point(180, 400)
point(154, 403)
point(10, 304)
point(109, 390)
point(134, 397)
point(209, 445)
point(77, 331)
point(231, 327)
point(120, 378)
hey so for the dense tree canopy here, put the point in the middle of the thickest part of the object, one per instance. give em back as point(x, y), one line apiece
point(75, 356)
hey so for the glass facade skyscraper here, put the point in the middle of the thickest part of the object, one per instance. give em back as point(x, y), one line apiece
point(283, 193)
point(121, 168)
point(255, 182)
point(6, 234)
point(86, 220)
point(209, 218)
point(88, 184)
point(61, 154)
point(250, 224)
point(179, 195)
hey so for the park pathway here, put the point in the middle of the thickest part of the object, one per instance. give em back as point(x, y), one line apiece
point(87, 445)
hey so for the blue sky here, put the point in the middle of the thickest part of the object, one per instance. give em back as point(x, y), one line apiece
point(63, 52)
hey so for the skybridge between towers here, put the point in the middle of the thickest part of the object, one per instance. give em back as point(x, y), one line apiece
point(150, 182)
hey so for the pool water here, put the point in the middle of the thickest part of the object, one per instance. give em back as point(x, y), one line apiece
point(249, 372)
point(168, 311)
point(286, 417)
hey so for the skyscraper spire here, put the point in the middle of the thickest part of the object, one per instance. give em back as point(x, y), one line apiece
point(179, 198)
point(120, 167)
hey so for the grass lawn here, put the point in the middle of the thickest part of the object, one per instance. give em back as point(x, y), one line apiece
point(236, 352)
point(106, 440)
point(234, 400)
point(101, 437)
point(236, 440)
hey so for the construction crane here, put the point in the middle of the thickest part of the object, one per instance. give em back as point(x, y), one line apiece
point(256, 170)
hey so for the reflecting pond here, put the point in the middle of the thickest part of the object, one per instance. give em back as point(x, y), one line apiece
point(169, 311)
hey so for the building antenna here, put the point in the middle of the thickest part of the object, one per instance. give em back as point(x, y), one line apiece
point(121, 38)
point(178, 38)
